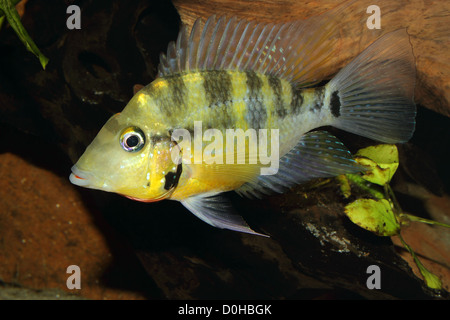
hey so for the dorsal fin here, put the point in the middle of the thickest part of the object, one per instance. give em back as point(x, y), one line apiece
point(296, 51)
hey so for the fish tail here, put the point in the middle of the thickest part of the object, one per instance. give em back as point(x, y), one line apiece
point(373, 95)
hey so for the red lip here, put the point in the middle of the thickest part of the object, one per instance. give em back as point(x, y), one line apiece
point(75, 178)
point(142, 200)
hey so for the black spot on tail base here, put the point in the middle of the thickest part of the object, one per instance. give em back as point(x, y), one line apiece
point(335, 104)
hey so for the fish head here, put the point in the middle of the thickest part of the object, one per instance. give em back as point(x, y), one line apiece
point(130, 159)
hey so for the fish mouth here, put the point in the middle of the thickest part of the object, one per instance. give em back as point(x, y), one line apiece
point(79, 177)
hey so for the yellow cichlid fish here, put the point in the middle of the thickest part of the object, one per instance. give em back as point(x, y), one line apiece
point(230, 74)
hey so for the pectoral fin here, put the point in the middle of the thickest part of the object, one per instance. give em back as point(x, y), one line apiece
point(216, 210)
point(317, 155)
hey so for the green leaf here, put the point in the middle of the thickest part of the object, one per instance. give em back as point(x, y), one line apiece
point(2, 14)
point(344, 185)
point(381, 162)
point(431, 280)
point(364, 185)
point(13, 2)
point(373, 215)
point(381, 153)
point(14, 21)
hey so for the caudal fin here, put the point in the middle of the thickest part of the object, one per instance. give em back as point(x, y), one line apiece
point(373, 95)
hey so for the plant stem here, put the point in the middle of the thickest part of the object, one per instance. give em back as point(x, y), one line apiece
point(423, 220)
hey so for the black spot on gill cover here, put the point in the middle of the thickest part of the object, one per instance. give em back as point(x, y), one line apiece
point(335, 104)
point(169, 180)
point(172, 178)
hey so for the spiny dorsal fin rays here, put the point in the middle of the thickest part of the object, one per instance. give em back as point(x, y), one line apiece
point(182, 47)
point(296, 51)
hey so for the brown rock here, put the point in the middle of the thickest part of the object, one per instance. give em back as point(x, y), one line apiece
point(45, 227)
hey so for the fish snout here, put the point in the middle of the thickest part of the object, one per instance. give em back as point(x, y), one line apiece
point(79, 177)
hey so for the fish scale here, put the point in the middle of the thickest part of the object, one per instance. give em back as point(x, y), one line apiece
point(231, 99)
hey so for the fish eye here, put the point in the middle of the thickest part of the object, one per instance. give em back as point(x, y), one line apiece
point(132, 139)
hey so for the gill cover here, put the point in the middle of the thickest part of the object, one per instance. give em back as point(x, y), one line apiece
point(166, 167)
